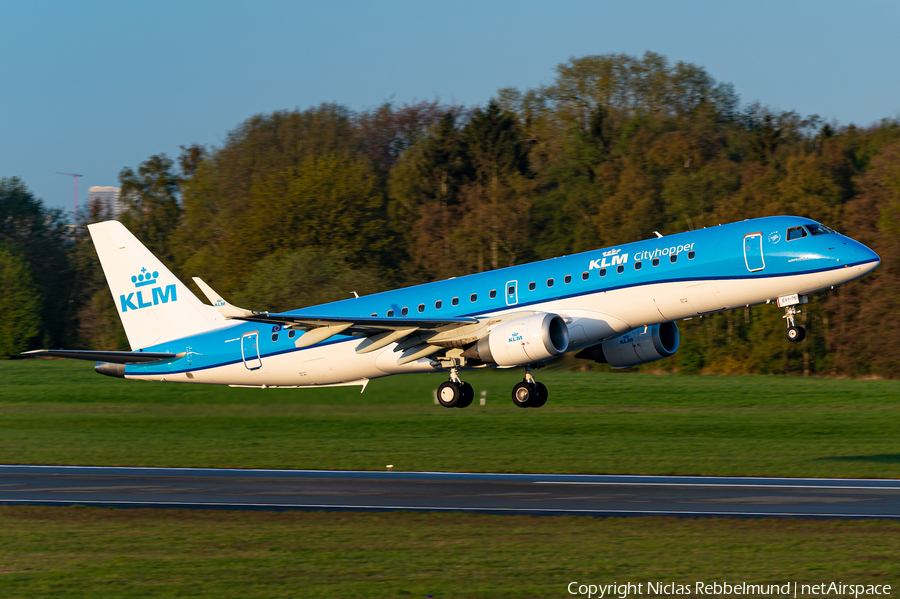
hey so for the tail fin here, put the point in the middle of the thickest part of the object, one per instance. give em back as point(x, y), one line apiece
point(153, 304)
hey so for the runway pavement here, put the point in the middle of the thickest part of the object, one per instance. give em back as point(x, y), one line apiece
point(551, 494)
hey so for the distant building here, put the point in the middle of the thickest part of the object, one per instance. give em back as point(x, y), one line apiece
point(108, 198)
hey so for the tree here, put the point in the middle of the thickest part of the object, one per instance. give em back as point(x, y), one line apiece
point(20, 304)
point(151, 195)
point(424, 192)
point(41, 237)
point(305, 277)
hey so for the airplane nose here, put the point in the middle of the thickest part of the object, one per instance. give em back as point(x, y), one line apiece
point(865, 255)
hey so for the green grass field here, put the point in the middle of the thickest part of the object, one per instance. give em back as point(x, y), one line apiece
point(61, 412)
point(71, 552)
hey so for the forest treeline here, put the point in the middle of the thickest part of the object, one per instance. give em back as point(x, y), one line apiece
point(301, 207)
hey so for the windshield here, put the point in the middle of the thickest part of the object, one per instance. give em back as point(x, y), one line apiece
point(818, 229)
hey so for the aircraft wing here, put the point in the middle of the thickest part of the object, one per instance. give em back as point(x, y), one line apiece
point(352, 324)
point(357, 324)
point(379, 331)
point(113, 357)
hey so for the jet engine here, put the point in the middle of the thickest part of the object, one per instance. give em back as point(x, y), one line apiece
point(524, 340)
point(640, 346)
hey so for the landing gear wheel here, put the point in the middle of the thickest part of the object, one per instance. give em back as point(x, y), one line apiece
point(540, 395)
point(796, 334)
point(523, 394)
point(468, 394)
point(449, 394)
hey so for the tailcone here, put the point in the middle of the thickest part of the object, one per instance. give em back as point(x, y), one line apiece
point(108, 369)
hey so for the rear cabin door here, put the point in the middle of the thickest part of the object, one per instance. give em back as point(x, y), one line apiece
point(753, 254)
point(250, 350)
point(512, 293)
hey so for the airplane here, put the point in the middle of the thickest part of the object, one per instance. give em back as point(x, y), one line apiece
point(617, 305)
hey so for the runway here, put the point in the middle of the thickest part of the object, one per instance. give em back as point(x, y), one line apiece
point(548, 494)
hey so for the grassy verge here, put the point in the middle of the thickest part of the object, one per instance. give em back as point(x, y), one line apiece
point(61, 412)
point(71, 552)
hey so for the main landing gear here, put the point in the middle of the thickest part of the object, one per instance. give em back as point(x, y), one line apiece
point(529, 393)
point(455, 393)
point(795, 332)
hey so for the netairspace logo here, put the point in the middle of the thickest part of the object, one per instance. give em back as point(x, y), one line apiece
point(158, 295)
point(790, 589)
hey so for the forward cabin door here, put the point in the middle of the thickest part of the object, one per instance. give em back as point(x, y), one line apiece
point(753, 254)
point(512, 293)
point(250, 350)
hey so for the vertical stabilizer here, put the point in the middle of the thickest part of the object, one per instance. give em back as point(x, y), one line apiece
point(153, 304)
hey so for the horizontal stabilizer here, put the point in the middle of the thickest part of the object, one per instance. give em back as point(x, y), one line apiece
point(113, 357)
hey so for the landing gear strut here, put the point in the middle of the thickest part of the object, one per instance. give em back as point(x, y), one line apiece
point(529, 393)
point(795, 332)
point(455, 393)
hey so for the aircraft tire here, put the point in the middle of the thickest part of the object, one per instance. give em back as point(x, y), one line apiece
point(540, 395)
point(468, 394)
point(796, 334)
point(449, 394)
point(523, 394)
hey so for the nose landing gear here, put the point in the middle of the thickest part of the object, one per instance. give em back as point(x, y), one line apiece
point(795, 332)
point(455, 393)
point(529, 393)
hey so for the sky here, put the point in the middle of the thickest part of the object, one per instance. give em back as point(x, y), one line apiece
point(92, 87)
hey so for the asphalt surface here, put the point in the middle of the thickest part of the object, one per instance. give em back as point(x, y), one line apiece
point(551, 494)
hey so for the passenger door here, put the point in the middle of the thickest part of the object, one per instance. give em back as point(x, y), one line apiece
point(250, 350)
point(512, 293)
point(753, 253)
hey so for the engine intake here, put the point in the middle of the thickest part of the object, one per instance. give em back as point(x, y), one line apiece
point(524, 340)
point(636, 347)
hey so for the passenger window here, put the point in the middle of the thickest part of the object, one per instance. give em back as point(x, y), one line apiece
point(421, 307)
point(673, 258)
point(602, 272)
point(404, 311)
point(510, 290)
point(493, 293)
point(620, 269)
point(390, 313)
point(637, 265)
point(455, 301)
point(549, 282)
point(274, 336)
point(796, 233)
point(655, 262)
point(691, 255)
point(374, 314)
point(473, 297)
point(531, 286)
point(568, 279)
point(292, 333)
point(438, 304)
point(585, 275)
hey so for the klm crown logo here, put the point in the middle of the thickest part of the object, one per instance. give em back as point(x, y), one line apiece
point(145, 278)
point(158, 295)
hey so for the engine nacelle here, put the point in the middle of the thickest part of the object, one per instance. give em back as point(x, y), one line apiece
point(636, 347)
point(524, 340)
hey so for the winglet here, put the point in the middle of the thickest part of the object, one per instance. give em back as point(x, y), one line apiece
point(224, 308)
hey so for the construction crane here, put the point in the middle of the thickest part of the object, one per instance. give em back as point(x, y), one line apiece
point(74, 178)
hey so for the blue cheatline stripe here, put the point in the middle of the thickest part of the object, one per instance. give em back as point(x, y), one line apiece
point(522, 304)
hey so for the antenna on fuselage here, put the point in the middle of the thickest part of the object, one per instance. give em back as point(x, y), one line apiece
point(356, 295)
point(658, 234)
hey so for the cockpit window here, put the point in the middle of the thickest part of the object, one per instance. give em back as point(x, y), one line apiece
point(796, 233)
point(818, 229)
